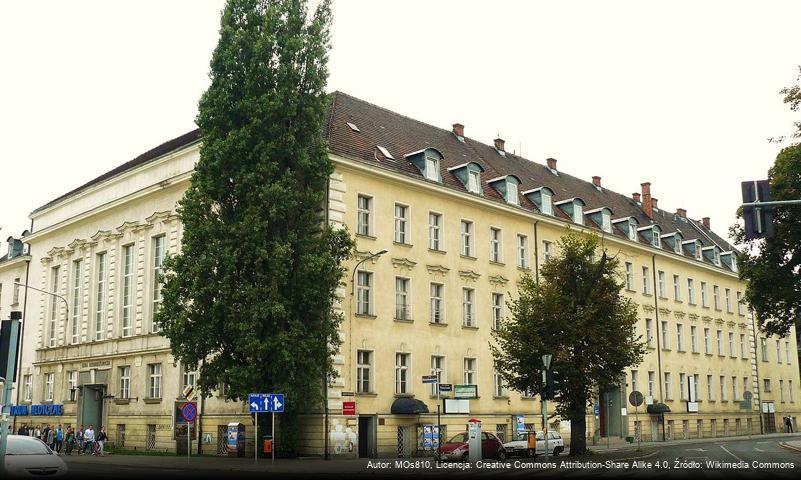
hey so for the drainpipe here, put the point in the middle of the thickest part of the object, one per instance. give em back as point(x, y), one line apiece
point(326, 454)
point(658, 347)
point(536, 254)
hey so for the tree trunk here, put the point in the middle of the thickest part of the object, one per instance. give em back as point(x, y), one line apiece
point(578, 435)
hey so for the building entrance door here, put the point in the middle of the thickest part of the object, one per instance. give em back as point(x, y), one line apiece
point(90, 406)
point(366, 436)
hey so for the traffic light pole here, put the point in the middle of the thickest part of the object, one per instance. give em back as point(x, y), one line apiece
point(544, 417)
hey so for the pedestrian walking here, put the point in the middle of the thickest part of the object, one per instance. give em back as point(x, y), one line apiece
point(37, 432)
point(79, 440)
point(70, 439)
point(101, 440)
point(788, 423)
point(89, 439)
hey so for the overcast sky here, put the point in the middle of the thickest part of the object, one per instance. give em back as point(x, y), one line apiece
point(681, 94)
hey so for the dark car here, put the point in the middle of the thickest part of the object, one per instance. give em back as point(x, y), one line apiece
point(456, 448)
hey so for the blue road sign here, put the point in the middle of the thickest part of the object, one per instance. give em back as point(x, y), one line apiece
point(189, 411)
point(597, 409)
point(266, 402)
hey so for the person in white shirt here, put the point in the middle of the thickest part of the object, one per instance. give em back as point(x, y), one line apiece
point(89, 439)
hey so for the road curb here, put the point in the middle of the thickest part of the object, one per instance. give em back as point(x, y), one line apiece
point(789, 447)
point(641, 457)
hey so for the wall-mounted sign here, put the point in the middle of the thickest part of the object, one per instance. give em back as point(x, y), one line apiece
point(37, 410)
point(457, 405)
point(349, 409)
point(465, 391)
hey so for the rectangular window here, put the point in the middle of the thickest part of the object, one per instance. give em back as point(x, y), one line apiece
point(432, 169)
point(727, 296)
point(734, 391)
point(497, 310)
point(128, 285)
point(467, 238)
point(645, 281)
point(694, 338)
point(778, 352)
point(722, 381)
point(651, 380)
point(500, 386)
point(662, 288)
point(15, 292)
point(495, 245)
point(683, 386)
point(547, 203)
point(787, 352)
point(740, 303)
point(401, 223)
point(704, 299)
point(402, 373)
point(511, 193)
point(668, 387)
point(546, 250)
point(364, 370)
point(716, 296)
point(437, 307)
point(696, 382)
point(438, 369)
point(742, 346)
point(190, 378)
point(469, 371)
point(72, 385)
point(364, 294)
point(100, 296)
point(691, 291)
point(763, 343)
point(473, 181)
point(709, 389)
point(27, 392)
point(403, 308)
point(364, 212)
point(629, 276)
point(154, 384)
point(158, 263)
point(434, 230)
point(77, 301)
point(522, 251)
point(676, 288)
point(790, 389)
point(634, 381)
point(781, 391)
point(55, 307)
point(732, 351)
point(468, 318)
point(706, 341)
point(125, 382)
point(680, 337)
point(649, 334)
point(49, 382)
point(665, 336)
point(720, 342)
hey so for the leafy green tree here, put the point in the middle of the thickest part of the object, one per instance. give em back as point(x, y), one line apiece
point(577, 314)
point(249, 298)
point(772, 267)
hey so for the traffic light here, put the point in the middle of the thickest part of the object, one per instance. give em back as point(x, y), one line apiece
point(758, 219)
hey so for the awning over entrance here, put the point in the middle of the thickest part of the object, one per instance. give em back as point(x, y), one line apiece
point(658, 408)
point(408, 406)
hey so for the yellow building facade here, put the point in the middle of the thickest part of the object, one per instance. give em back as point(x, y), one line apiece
point(458, 223)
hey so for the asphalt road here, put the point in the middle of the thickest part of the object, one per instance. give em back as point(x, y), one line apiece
point(742, 458)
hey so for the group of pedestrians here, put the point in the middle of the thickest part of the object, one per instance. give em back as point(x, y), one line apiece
point(68, 439)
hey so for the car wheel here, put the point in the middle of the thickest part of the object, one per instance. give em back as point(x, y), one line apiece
point(556, 452)
point(464, 456)
point(530, 453)
point(501, 454)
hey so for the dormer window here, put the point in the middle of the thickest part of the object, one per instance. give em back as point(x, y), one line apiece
point(653, 234)
point(507, 187)
point(427, 161)
point(694, 247)
point(470, 176)
point(541, 197)
point(602, 217)
point(729, 259)
point(574, 208)
point(629, 226)
point(674, 241)
point(712, 254)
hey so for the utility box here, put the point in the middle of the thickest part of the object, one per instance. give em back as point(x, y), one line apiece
point(235, 442)
point(474, 439)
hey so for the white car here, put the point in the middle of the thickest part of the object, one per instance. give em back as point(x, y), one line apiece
point(29, 457)
point(520, 446)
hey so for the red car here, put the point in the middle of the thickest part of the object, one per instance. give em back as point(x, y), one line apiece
point(455, 449)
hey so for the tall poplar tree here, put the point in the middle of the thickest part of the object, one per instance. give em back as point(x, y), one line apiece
point(249, 298)
point(577, 314)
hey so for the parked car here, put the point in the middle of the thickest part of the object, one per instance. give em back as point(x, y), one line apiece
point(523, 445)
point(29, 457)
point(457, 449)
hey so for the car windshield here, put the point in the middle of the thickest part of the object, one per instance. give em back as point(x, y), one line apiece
point(26, 446)
point(458, 438)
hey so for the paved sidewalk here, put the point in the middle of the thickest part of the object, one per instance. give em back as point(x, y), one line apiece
point(615, 447)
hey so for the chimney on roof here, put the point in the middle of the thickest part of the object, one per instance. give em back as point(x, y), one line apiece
point(705, 222)
point(499, 142)
point(681, 212)
point(596, 180)
point(636, 197)
point(551, 163)
point(647, 206)
point(458, 130)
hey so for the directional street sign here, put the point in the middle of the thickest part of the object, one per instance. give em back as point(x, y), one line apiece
point(266, 402)
point(429, 379)
point(189, 411)
point(445, 387)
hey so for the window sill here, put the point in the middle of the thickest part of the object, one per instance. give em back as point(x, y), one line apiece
point(468, 257)
point(645, 294)
point(366, 394)
point(500, 397)
point(469, 327)
point(151, 400)
point(696, 353)
point(499, 264)
point(661, 297)
point(122, 401)
point(708, 354)
point(404, 395)
point(438, 324)
point(69, 402)
point(364, 315)
point(434, 250)
point(403, 244)
point(705, 306)
point(368, 237)
point(523, 269)
point(631, 290)
point(681, 350)
point(677, 300)
point(403, 320)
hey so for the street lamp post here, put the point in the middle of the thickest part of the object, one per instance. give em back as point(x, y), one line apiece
point(546, 363)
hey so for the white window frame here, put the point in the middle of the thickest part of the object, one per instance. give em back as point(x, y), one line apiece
point(27, 391)
point(437, 303)
point(522, 251)
point(473, 181)
point(716, 296)
point(128, 294)
point(438, 364)
point(55, 305)
point(72, 385)
point(364, 215)
point(512, 196)
point(546, 200)
point(679, 337)
point(77, 301)
point(469, 370)
point(649, 334)
point(707, 341)
point(466, 229)
point(125, 382)
point(101, 282)
point(402, 373)
point(694, 338)
point(495, 244)
point(629, 276)
point(662, 288)
point(364, 292)
point(432, 168)
point(159, 243)
point(547, 250)
point(497, 310)
point(50, 379)
point(691, 291)
point(402, 234)
point(403, 294)
point(646, 285)
point(154, 380)
point(676, 288)
point(468, 307)
point(434, 231)
point(364, 371)
point(704, 299)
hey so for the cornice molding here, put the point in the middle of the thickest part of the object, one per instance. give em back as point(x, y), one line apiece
point(403, 263)
point(498, 280)
point(437, 269)
point(469, 275)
